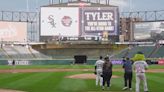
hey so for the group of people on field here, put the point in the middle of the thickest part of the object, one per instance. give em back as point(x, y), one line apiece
point(103, 71)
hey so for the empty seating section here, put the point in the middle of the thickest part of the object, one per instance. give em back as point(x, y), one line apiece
point(3, 54)
point(37, 54)
point(120, 54)
point(10, 52)
point(20, 52)
point(159, 53)
point(147, 50)
point(23, 52)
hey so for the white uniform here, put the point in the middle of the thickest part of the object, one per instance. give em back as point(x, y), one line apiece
point(99, 66)
point(140, 74)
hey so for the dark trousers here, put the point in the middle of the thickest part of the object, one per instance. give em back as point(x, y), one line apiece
point(128, 79)
point(106, 78)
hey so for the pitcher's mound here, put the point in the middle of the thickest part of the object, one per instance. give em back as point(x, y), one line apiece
point(87, 76)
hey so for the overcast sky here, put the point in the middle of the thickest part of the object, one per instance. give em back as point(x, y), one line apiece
point(125, 5)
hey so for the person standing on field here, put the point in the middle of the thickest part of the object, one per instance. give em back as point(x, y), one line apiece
point(140, 66)
point(128, 74)
point(98, 71)
point(13, 64)
point(107, 72)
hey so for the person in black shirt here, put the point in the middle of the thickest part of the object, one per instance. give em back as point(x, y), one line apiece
point(13, 63)
point(107, 72)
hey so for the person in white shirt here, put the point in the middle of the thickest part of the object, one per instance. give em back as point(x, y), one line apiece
point(140, 66)
point(98, 70)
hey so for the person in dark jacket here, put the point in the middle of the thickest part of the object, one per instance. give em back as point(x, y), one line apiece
point(107, 72)
point(13, 62)
point(128, 74)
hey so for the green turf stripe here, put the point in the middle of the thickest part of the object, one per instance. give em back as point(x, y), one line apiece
point(12, 77)
point(56, 82)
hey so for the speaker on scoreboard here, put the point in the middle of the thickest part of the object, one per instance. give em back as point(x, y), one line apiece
point(80, 59)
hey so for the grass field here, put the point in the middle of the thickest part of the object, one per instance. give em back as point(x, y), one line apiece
point(56, 81)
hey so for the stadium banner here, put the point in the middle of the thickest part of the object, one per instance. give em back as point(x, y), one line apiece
point(19, 62)
point(117, 62)
point(39, 62)
point(148, 30)
point(59, 21)
point(96, 20)
point(161, 62)
point(13, 31)
point(51, 62)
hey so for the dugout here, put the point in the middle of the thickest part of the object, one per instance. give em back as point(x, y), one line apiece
point(80, 59)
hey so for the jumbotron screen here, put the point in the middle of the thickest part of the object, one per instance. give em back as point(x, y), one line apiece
point(149, 31)
point(61, 21)
point(96, 20)
point(79, 21)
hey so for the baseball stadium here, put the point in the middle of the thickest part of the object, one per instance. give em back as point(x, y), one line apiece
point(55, 49)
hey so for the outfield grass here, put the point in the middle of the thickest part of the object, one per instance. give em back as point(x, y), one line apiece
point(56, 81)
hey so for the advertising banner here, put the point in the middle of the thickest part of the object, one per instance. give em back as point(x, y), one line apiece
point(19, 62)
point(161, 62)
point(13, 31)
point(117, 62)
